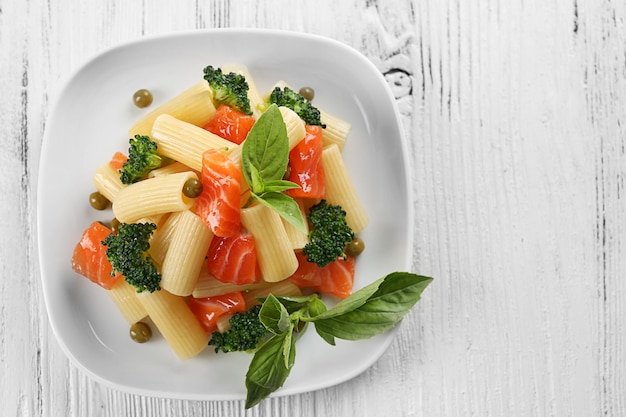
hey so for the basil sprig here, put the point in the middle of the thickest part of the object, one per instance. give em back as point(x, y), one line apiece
point(264, 157)
point(368, 312)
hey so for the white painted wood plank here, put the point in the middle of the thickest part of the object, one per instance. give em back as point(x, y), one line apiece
point(506, 166)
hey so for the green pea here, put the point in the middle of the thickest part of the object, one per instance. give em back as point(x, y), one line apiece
point(140, 332)
point(307, 92)
point(355, 247)
point(142, 98)
point(98, 201)
point(115, 225)
point(192, 188)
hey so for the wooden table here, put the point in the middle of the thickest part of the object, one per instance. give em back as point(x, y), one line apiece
point(515, 116)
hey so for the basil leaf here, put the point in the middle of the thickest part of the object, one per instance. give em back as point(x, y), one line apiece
point(278, 185)
point(256, 182)
point(328, 338)
point(274, 315)
point(317, 307)
point(296, 303)
point(289, 349)
point(368, 312)
point(285, 206)
point(300, 299)
point(363, 318)
point(293, 302)
point(270, 367)
point(266, 147)
point(352, 302)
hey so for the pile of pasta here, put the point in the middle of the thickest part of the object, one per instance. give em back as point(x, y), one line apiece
point(181, 240)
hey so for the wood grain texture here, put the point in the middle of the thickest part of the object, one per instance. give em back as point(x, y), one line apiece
point(514, 116)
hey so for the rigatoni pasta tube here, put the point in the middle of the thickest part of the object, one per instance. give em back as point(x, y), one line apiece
point(294, 125)
point(175, 321)
point(124, 296)
point(157, 219)
point(185, 142)
point(185, 255)
point(276, 258)
point(336, 130)
point(285, 288)
point(152, 196)
point(107, 181)
point(160, 241)
point(340, 189)
point(194, 105)
point(173, 168)
point(208, 285)
point(297, 237)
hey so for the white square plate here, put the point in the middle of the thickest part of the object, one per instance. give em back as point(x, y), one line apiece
point(89, 123)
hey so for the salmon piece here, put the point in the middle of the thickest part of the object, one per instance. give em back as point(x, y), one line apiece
point(336, 278)
point(218, 204)
point(208, 310)
point(305, 165)
point(233, 259)
point(118, 160)
point(89, 258)
point(230, 124)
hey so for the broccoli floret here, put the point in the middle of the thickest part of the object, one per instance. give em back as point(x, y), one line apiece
point(329, 234)
point(245, 333)
point(296, 102)
point(127, 252)
point(142, 158)
point(230, 89)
